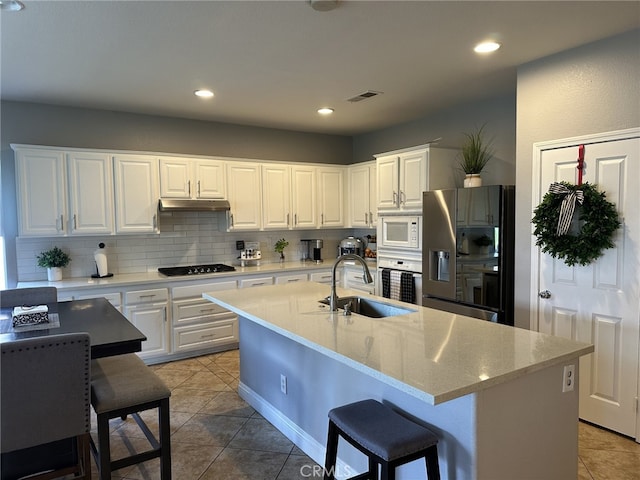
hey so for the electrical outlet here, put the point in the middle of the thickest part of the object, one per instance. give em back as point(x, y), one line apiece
point(568, 378)
point(283, 384)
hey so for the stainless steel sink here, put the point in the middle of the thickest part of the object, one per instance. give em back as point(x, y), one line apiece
point(368, 307)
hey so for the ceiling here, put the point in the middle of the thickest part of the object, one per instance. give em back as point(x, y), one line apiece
point(274, 63)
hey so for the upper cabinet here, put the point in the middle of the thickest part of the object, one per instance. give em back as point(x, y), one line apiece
point(304, 201)
point(402, 178)
point(404, 174)
point(136, 193)
point(331, 197)
point(192, 178)
point(276, 196)
point(362, 195)
point(245, 192)
point(63, 193)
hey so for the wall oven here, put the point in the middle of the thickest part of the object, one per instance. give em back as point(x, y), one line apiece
point(400, 232)
point(400, 276)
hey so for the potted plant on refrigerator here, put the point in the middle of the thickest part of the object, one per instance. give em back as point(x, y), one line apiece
point(53, 260)
point(476, 153)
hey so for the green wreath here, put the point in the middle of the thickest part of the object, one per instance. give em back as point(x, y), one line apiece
point(591, 226)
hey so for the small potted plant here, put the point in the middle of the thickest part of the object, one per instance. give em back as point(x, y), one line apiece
point(53, 260)
point(280, 246)
point(475, 155)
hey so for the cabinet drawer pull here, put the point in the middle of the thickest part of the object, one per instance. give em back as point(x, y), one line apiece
point(189, 187)
point(210, 335)
point(198, 188)
point(207, 310)
point(75, 222)
point(151, 295)
point(256, 284)
point(291, 280)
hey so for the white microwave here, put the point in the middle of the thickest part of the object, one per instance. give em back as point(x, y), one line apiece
point(400, 232)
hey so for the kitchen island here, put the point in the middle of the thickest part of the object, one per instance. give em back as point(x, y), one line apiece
point(492, 393)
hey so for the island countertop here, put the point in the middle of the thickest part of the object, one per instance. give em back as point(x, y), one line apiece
point(433, 355)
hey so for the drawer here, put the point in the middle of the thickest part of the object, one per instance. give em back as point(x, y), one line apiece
point(356, 278)
point(324, 277)
point(197, 310)
point(114, 298)
point(197, 290)
point(255, 282)
point(206, 335)
point(294, 278)
point(146, 296)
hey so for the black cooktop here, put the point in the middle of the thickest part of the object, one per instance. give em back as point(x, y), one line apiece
point(195, 269)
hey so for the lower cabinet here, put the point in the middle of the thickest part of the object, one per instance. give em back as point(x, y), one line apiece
point(324, 276)
point(354, 279)
point(291, 278)
point(148, 311)
point(255, 282)
point(199, 324)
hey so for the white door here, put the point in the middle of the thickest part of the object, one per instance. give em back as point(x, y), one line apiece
point(598, 303)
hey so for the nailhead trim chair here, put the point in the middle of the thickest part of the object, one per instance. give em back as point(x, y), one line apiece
point(45, 395)
point(387, 438)
point(123, 385)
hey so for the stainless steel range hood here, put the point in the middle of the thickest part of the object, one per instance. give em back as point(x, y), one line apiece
point(185, 205)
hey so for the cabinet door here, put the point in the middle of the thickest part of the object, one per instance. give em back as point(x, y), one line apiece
point(331, 197)
point(413, 179)
point(359, 186)
point(90, 193)
point(244, 196)
point(387, 182)
point(175, 178)
point(210, 179)
point(151, 319)
point(373, 195)
point(276, 199)
point(303, 197)
point(136, 179)
point(291, 278)
point(484, 205)
point(41, 191)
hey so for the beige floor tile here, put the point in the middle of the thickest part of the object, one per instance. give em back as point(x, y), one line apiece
point(228, 403)
point(299, 467)
point(214, 430)
point(234, 464)
point(188, 400)
point(258, 434)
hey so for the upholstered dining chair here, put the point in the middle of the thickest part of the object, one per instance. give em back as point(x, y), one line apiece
point(28, 296)
point(45, 395)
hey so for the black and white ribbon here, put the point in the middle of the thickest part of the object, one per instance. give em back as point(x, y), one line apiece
point(567, 207)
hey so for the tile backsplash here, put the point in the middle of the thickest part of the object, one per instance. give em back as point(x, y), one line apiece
point(184, 239)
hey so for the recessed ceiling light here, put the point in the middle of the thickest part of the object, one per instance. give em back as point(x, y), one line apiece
point(11, 5)
point(486, 47)
point(203, 93)
point(325, 111)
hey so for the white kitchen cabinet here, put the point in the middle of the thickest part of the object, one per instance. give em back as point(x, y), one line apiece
point(331, 197)
point(402, 177)
point(362, 195)
point(136, 193)
point(404, 174)
point(276, 196)
point(478, 207)
point(199, 324)
point(291, 278)
point(91, 202)
point(255, 282)
point(63, 193)
point(148, 311)
point(354, 279)
point(41, 191)
point(192, 178)
point(245, 195)
point(304, 197)
point(324, 276)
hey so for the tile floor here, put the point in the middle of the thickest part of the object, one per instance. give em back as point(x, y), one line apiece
point(216, 435)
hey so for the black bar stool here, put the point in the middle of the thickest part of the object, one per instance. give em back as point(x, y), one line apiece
point(387, 438)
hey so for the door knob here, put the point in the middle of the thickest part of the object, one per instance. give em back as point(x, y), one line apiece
point(545, 294)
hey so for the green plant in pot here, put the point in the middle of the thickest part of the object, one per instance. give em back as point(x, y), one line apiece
point(476, 153)
point(53, 260)
point(484, 242)
point(280, 246)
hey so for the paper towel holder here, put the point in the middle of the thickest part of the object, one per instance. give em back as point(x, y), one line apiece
point(97, 256)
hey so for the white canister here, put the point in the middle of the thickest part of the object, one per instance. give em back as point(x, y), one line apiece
point(101, 261)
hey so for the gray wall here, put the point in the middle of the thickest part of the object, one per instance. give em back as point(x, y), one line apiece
point(590, 89)
point(498, 113)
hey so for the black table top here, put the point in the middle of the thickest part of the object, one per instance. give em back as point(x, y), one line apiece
point(110, 331)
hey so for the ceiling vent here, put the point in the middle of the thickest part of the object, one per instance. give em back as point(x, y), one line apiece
point(363, 96)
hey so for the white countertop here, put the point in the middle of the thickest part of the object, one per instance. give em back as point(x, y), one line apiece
point(121, 280)
point(434, 355)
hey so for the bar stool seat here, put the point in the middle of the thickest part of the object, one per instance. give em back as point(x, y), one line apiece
point(123, 385)
point(386, 437)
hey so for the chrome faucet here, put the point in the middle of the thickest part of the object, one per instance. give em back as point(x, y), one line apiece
point(333, 298)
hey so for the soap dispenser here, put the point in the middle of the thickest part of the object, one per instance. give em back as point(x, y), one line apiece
point(101, 263)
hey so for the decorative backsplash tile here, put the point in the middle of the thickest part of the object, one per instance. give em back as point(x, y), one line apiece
point(184, 239)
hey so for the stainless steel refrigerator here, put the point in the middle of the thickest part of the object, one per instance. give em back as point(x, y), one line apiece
point(468, 251)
